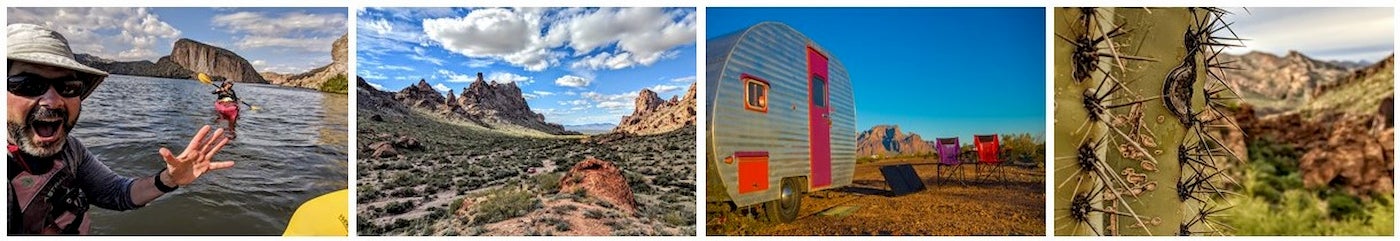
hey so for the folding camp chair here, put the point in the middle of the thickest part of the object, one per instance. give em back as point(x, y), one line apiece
point(948, 157)
point(989, 155)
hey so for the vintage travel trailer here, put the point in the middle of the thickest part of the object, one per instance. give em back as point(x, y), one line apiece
point(780, 120)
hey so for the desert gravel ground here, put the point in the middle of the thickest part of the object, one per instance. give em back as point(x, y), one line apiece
point(1014, 206)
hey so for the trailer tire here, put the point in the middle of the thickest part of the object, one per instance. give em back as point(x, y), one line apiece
point(786, 207)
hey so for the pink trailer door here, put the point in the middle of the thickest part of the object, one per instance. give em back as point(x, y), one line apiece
point(819, 119)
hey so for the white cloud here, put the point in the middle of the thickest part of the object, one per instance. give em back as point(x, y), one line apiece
point(614, 105)
point(304, 44)
point(642, 36)
point(376, 86)
point(542, 93)
point(574, 102)
point(425, 58)
point(367, 74)
point(529, 96)
point(505, 77)
point(123, 34)
point(479, 63)
point(665, 88)
point(495, 33)
point(394, 67)
point(441, 87)
point(307, 32)
point(454, 77)
point(255, 23)
point(379, 26)
point(624, 101)
point(572, 81)
point(1323, 33)
point(687, 79)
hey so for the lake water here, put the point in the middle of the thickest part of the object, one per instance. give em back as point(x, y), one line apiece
point(290, 151)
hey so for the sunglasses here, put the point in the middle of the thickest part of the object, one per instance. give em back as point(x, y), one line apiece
point(30, 85)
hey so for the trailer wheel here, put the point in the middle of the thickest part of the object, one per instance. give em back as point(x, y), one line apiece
point(785, 208)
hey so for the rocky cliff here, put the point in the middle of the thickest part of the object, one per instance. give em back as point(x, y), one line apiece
point(1292, 76)
point(374, 101)
point(1350, 151)
point(1361, 91)
point(316, 78)
point(163, 68)
point(420, 95)
point(654, 115)
point(888, 140)
point(492, 103)
point(215, 61)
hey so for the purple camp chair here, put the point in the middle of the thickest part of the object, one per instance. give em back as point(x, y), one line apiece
point(948, 157)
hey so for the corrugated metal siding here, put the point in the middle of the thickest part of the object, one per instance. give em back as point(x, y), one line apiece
point(776, 53)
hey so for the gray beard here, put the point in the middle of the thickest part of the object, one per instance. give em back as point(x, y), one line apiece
point(21, 131)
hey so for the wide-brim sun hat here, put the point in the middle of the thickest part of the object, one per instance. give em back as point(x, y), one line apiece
point(40, 45)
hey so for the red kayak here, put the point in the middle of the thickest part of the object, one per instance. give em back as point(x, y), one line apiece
point(228, 110)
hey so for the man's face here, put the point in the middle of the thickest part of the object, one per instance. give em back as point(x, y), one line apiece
point(40, 124)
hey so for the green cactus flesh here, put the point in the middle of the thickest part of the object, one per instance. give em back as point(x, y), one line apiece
point(1137, 108)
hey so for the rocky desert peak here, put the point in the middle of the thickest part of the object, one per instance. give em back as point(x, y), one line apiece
point(654, 115)
point(889, 140)
point(420, 95)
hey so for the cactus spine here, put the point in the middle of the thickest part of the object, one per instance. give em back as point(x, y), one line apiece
point(1138, 98)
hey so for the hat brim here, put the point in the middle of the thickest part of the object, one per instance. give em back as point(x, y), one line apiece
point(59, 61)
point(56, 61)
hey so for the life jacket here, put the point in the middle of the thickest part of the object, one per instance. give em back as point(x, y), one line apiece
point(50, 202)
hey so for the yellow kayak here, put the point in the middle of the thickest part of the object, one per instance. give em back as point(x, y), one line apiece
point(326, 215)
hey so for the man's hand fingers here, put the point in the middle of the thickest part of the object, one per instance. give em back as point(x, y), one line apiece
point(220, 165)
point(197, 140)
point(209, 144)
point(217, 147)
point(169, 158)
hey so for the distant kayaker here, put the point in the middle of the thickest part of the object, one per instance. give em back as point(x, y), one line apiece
point(226, 107)
point(53, 179)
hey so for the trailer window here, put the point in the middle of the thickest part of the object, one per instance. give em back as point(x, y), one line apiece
point(755, 94)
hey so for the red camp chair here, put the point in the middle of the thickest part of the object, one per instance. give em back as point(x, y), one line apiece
point(948, 157)
point(989, 155)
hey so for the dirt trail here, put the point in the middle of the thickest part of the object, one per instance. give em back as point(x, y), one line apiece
point(1015, 206)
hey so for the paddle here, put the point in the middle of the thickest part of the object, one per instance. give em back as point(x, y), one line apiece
point(205, 79)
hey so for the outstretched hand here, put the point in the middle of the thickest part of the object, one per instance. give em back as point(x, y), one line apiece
point(194, 161)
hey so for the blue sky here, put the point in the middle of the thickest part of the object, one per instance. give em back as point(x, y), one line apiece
point(284, 40)
point(574, 65)
point(1365, 34)
point(937, 72)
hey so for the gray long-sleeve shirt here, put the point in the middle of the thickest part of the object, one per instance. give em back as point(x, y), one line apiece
point(104, 188)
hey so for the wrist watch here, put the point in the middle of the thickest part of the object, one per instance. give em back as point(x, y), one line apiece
point(161, 185)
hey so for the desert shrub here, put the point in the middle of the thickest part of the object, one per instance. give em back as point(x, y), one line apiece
point(502, 205)
point(1273, 191)
point(548, 182)
point(336, 84)
point(404, 192)
point(565, 209)
point(678, 219)
point(559, 224)
point(396, 208)
point(1300, 212)
point(455, 204)
point(594, 214)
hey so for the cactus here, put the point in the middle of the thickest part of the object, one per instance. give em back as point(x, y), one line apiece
point(1139, 97)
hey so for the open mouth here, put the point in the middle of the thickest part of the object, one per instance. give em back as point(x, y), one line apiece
point(46, 130)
